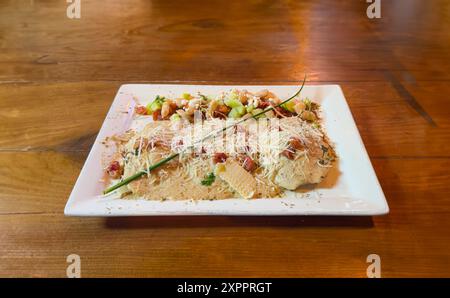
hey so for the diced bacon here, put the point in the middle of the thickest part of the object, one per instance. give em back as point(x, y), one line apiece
point(217, 114)
point(296, 144)
point(173, 106)
point(249, 164)
point(141, 110)
point(289, 153)
point(114, 170)
point(219, 157)
point(156, 115)
point(221, 111)
point(263, 104)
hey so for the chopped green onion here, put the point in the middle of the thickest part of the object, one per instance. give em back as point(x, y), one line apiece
point(234, 113)
point(289, 106)
point(175, 117)
point(155, 105)
point(250, 108)
point(241, 110)
point(233, 102)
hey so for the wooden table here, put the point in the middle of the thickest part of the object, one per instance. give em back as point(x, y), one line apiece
point(58, 77)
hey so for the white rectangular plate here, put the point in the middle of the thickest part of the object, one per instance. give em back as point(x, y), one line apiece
point(351, 188)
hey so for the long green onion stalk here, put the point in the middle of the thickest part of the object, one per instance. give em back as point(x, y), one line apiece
point(215, 133)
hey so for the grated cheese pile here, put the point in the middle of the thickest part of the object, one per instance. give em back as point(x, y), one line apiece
point(263, 140)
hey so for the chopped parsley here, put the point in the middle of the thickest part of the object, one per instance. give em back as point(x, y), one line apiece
point(209, 179)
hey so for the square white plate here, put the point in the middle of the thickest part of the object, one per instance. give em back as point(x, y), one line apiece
point(351, 188)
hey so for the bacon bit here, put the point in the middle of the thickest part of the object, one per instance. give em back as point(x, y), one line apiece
point(219, 115)
point(156, 115)
point(219, 157)
point(296, 144)
point(114, 166)
point(223, 109)
point(173, 106)
point(221, 112)
point(141, 110)
point(289, 153)
point(249, 164)
point(157, 143)
point(263, 104)
point(114, 170)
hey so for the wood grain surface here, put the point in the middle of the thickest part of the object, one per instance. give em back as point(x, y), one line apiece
point(58, 77)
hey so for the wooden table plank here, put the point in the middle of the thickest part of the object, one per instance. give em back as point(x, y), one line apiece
point(37, 182)
point(37, 245)
point(67, 117)
point(53, 116)
point(271, 40)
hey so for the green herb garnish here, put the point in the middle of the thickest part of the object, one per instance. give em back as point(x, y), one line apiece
point(209, 179)
point(308, 104)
